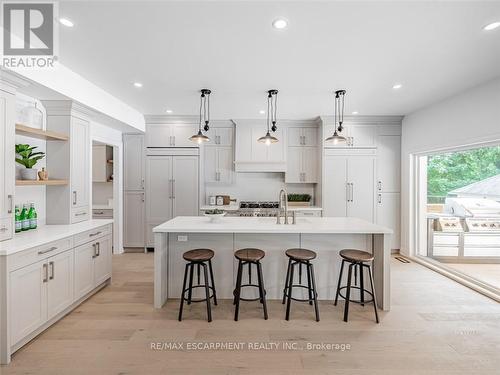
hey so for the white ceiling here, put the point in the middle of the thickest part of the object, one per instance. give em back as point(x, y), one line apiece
point(434, 49)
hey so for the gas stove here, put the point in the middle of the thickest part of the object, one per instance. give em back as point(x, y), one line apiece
point(260, 209)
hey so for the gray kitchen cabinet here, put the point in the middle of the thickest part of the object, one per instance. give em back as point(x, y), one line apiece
point(170, 135)
point(133, 160)
point(302, 136)
point(302, 165)
point(133, 218)
point(388, 163)
point(172, 189)
point(218, 164)
point(389, 215)
point(348, 185)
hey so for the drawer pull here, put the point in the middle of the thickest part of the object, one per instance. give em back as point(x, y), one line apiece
point(95, 234)
point(47, 251)
point(3, 229)
point(81, 213)
point(52, 269)
point(98, 212)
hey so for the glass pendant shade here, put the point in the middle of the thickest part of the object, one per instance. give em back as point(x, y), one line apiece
point(267, 139)
point(199, 138)
point(335, 139)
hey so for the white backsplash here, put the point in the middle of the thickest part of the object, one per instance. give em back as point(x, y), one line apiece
point(257, 187)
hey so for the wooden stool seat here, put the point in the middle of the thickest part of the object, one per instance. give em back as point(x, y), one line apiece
point(198, 255)
point(249, 255)
point(356, 256)
point(300, 254)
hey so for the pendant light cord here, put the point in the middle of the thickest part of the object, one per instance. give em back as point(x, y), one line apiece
point(201, 110)
point(269, 108)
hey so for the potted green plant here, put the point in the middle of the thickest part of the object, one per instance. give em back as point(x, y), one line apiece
point(303, 200)
point(28, 159)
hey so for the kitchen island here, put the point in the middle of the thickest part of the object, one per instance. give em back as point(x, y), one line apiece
point(325, 235)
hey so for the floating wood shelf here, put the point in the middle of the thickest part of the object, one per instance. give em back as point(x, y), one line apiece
point(40, 182)
point(40, 134)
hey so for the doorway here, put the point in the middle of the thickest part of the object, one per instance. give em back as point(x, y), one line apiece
point(458, 213)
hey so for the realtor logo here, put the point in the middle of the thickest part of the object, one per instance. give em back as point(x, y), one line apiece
point(29, 34)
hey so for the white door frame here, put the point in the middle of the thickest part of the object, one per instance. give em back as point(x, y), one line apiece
point(117, 189)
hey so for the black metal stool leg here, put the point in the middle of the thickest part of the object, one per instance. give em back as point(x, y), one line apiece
point(309, 285)
point(238, 291)
point(361, 284)
point(261, 288)
point(190, 291)
point(207, 292)
point(249, 272)
point(286, 280)
point(300, 273)
point(373, 292)
point(338, 284)
point(212, 280)
point(182, 293)
point(198, 271)
point(289, 301)
point(348, 294)
point(315, 294)
point(356, 275)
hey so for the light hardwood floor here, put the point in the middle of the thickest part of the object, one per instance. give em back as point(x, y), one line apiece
point(436, 326)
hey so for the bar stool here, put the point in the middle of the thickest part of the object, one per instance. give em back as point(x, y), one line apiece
point(300, 257)
point(356, 258)
point(198, 258)
point(249, 256)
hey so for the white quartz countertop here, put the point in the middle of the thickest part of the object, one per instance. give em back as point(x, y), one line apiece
point(339, 225)
point(47, 233)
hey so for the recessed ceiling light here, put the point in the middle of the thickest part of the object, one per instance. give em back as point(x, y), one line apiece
point(262, 112)
point(137, 84)
point(492, 26)
point(397, 86)
point(355, 112)
point(66, 22)
point(280, 23)
point(168, 111)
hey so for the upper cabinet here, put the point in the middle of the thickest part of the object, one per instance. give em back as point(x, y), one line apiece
point(302, 155)
point(218, 156)
point(303, 136)
point(7, 171)
point(133, 160)
point(170, 135)
point(68, 161)
point(253, 156)
point(358, 136)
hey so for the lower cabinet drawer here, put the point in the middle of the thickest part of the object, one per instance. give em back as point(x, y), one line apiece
point(79, 214)
point(6, 229)
point(36, 254)
point(91, 235)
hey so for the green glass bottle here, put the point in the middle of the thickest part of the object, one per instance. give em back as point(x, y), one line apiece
point(18, 219)
point(25, 223)
point(32, 216)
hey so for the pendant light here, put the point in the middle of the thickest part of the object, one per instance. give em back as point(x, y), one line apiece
point(272, 101)
point(336, 138)
point(204, 117)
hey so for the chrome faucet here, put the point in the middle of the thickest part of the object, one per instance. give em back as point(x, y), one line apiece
point(283, 194)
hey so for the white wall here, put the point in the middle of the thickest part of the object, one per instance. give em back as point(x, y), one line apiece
point(257, 187)
point(467, 119)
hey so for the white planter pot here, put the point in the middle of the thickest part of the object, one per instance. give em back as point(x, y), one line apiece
point(28, 174)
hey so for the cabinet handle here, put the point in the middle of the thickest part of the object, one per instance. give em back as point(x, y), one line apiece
point(143, 197)
point(142, 184)
point(52, 270)
point(173, 189)
point(95, 234)
point(98, 212)
point(47, 251)
point(347, 194)
point(379, 198)
point(94, 246)
point(45, 273)
point(174, 140)
point(10, 197)
point(352, 191)
point(98, 246)
point(74, 197)
point(379, 185)
point(81, 213)
point(3, 229)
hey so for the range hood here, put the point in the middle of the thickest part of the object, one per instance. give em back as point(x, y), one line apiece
point(253, 156)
